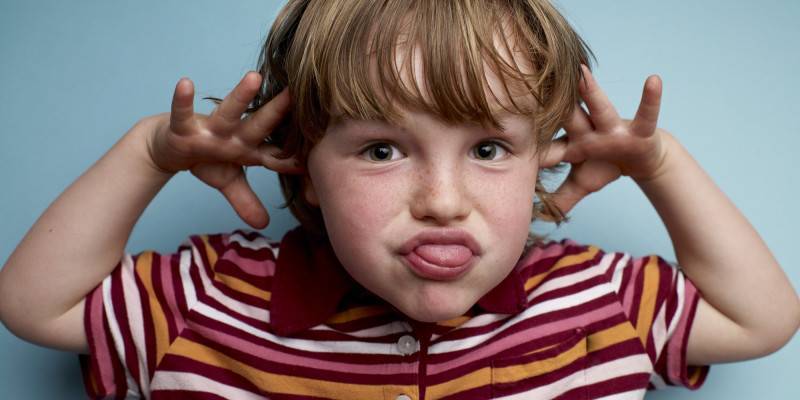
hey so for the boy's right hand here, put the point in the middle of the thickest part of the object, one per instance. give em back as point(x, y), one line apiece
point(215, 147)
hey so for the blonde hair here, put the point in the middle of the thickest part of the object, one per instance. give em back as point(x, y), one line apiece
point(324, 50)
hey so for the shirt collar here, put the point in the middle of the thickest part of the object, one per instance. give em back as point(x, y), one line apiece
point(309, 284)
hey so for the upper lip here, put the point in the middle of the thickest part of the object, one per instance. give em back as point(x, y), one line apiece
point(442, 236)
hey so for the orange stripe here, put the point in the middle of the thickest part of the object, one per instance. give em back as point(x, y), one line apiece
point(469, 381)
point(356, 313)
point(596, 341)
point(242, 286)
point(611, 336)
point(515, 373)
point(647, 303)
point(277, 383)
point(455, 322)
point(566, 261)
point(694, 375)
point(144, 269)
point(210, 252)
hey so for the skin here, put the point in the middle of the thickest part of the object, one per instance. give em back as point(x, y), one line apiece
point(434, 177)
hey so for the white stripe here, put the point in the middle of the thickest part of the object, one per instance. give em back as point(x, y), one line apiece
point(659, 329)
point(634, 364)
point(377, 331)
point(558, 303)
point(186, 280)
point(620, 367)
point(119, 344)
point(632, 395)
point(680, 293)
point(301, 344)
point(133, 305)
point(548, 286)
point(211, 290)
point(568, 280)
point(260, 242)
point(619, 270)
point(657, 381)
point(483, 319)
point(171, 380)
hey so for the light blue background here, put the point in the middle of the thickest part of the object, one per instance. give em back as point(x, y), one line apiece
point(74, 76)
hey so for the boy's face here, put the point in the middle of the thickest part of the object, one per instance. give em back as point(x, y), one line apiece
point(466, 189)
point(379, 186)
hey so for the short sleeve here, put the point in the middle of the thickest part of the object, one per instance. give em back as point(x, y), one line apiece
point(660, 302)
point(133, 316)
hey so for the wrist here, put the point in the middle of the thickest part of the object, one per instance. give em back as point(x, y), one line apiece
point(670, 147)
point(145, 133)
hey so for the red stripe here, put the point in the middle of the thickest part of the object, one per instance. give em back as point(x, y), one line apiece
point(120, 311)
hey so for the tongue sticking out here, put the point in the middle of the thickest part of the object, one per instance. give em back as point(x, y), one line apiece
point(444, 255)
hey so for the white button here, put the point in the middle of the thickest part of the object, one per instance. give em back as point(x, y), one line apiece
point(406, 345)
point(403, 397)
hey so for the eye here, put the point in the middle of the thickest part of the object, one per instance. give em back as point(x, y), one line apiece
point(379, 152)
point(489, 151)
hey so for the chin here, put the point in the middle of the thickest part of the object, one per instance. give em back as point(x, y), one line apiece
point(436, 309)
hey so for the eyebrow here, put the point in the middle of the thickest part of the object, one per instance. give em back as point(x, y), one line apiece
point(500, 114)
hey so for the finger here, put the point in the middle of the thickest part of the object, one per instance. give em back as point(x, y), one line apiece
point(563, 149)
point(182, 110)
point(269, 158)
point(583, 179)
point(579, 122)
point(602, 113)
point(228, 114)
point(646, 119)
point(261, 123)
point(245, 202)
point(554, 153)
point(569, 193)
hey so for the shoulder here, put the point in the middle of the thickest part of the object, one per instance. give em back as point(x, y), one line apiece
point(238, 247)
point(566, 256)
point(557, 258)
point(564, 267)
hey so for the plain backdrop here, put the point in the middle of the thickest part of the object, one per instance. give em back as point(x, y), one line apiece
point(75, 76)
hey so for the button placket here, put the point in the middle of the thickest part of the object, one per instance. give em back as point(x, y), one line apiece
point(407, 345)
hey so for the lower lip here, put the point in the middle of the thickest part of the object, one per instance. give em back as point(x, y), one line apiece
point(427, 270)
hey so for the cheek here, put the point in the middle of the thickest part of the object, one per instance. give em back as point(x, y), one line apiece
point(356, 206)
point(506, 200)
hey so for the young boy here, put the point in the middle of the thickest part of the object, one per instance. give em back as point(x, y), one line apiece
point(411, 160)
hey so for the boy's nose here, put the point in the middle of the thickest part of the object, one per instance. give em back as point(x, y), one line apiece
point(440, 196)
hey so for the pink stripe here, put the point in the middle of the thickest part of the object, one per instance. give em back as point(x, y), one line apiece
point(262, 268)
point(675, 351)
point(537, 253)
point(291, 359)
point(169, 291)
point(101, 351)
point(482, 350)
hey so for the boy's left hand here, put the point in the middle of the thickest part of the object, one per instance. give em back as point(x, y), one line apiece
point(601, 146)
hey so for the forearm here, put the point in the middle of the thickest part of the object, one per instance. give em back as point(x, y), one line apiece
point(81, 236)
point(717, 247)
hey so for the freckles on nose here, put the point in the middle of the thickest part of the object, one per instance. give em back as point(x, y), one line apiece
point(440, 195)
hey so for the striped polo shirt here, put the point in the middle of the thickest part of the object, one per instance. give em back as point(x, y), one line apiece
point(238, 316)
